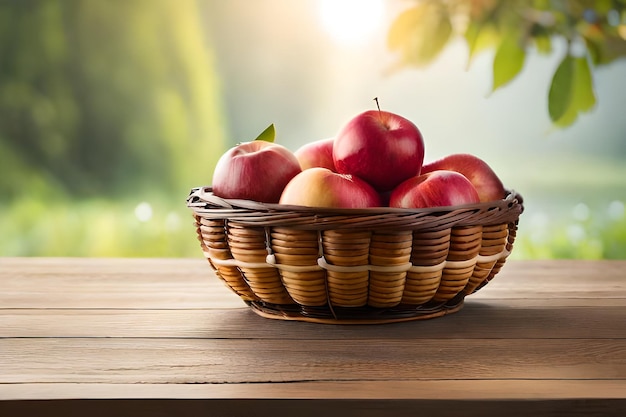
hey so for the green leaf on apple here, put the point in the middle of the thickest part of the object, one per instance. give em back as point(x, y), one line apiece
point(268, 135)
point(571, 91)
point(509, 60)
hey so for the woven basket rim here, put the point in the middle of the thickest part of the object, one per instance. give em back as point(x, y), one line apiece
point(205, 194)
point(205, 203)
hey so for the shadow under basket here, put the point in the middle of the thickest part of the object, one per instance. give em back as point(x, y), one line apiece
point(377, 265)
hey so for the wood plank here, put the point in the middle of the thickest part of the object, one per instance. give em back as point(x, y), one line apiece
point(477, 320)
point(500, 389)
point(111, 283)
point(240, 361)
point(189, 283)
point(558, 279)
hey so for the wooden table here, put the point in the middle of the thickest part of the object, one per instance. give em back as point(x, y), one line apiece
point(90, 337)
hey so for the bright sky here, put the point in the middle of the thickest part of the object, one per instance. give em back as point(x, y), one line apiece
point(351, 22)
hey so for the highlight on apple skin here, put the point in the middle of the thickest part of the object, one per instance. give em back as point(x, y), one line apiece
point(434, 189)
point(487, 183)
point(256, 170)
point(380, 147)
point(321, 187)
point(316, 154)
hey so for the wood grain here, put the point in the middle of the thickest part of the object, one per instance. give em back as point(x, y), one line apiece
point(477, 320)
point(492, 389)
point(217, 361)
point(111, 283)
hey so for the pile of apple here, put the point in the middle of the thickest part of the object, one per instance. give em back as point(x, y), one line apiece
point(375, 160)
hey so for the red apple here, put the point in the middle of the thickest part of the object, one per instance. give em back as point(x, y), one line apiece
point(316, 154)
point(321, 187)
point(380, 147)
point(485, 180)
point(256, 170)
point(434, 189)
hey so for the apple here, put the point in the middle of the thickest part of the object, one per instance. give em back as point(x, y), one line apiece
point(256, 170)
point(380, 147)
point(434, 189)
point(321, 187)
point(316, 154)
point(485, 180)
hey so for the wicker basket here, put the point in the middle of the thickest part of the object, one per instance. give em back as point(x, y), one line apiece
point(375, 265)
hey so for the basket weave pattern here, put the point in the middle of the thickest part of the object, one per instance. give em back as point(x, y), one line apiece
point(354, 265)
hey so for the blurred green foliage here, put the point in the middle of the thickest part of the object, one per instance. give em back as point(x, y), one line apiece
point(105, 97)
point(98, 227)
point(595, 231)
point(594, 30)
point(103, 105)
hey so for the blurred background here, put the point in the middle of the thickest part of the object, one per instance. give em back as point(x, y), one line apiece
point(112, 110)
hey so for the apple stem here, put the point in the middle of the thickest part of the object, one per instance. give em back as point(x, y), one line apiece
point(377, 105)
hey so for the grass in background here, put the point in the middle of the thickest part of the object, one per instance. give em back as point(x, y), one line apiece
point(574, 208)
point(586, 233)
point(98, 228)
point(152, 228)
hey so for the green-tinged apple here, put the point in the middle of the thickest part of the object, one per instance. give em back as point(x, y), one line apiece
point(256, 170)
point(321, 187)
point(434, 189)
point(316, 154)
point(480, 174)
point(380, 147)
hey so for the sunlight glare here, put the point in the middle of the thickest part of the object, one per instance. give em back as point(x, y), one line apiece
point(576, 233)
point(143, 212)
point(581, 212)
point(616, 210)
point(172, 222)
point(351, 21)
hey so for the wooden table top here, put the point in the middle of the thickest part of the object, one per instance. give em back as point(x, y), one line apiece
point(159, 337)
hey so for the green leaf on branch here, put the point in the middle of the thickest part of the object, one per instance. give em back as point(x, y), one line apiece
point(508, 61)
point(480, 36)
point(584, 95)
point(543, 43)
point(571, 91)
point(560, 93)
point(542, 39)
point(268, 135)
point(420, 33)
point(604, 49)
